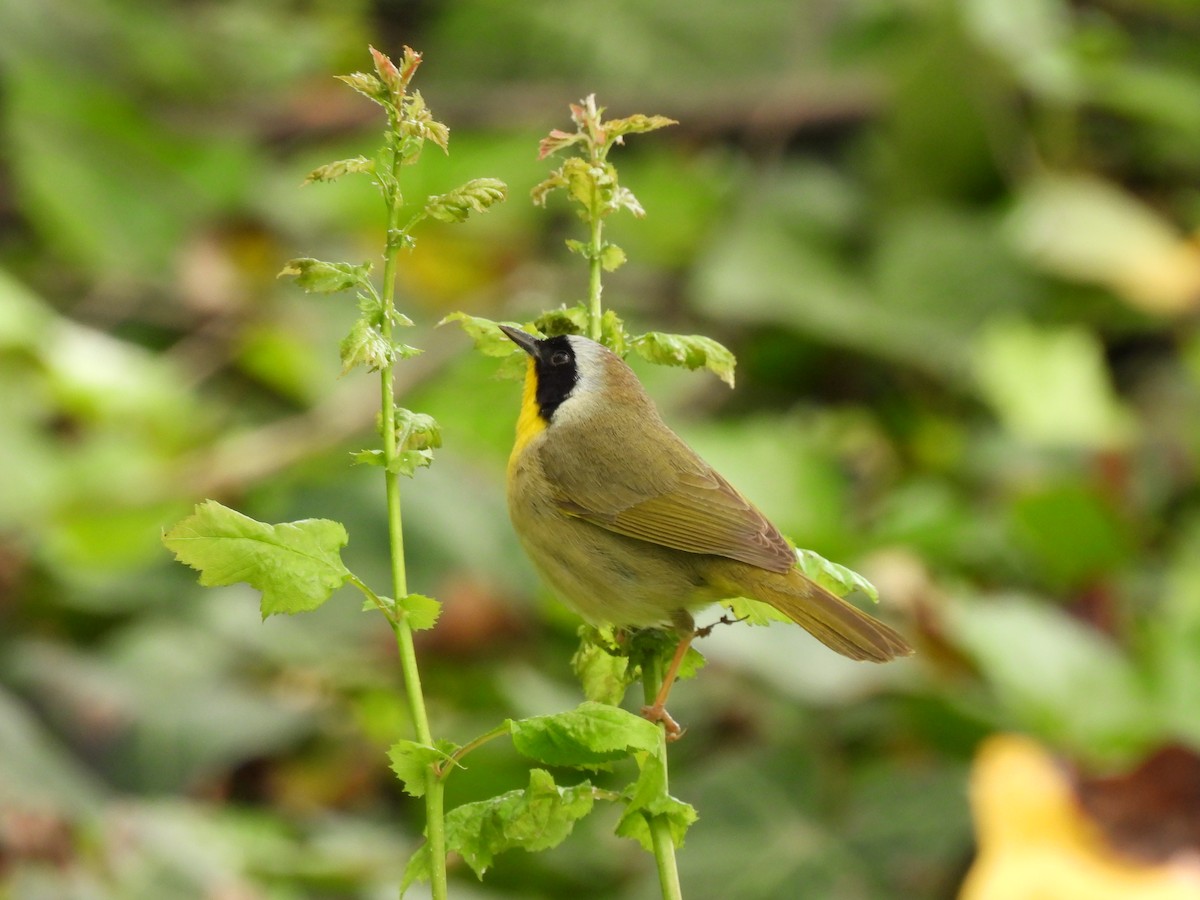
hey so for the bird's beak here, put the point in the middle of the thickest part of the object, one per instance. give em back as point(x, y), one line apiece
point(526, 342)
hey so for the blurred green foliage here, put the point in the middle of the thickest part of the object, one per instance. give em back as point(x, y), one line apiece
point(951, 243)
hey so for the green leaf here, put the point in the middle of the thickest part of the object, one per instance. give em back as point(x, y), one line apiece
point(635, 124)
point(537, 818)
point(647, 643)
point(416, 431)
point(368, 458)
point(602, 668)
point(367, 85)
point(486, 334)
point(296, 565)
point(417, 869)
point(540, 191)
point(591, 735)
point(648, 797)
point(418, 126)
point(384, 604)
point(832, 576)
point(365, 345)
point(477, 195)
point(612, 257)
point(564, 320)
point(590, 186)
point(317, 276)
point(407, 462)
point(335, 170)
point(411, 762)
point(422, 611)
point(692, 351)
point(613, 334)
point(753, 612)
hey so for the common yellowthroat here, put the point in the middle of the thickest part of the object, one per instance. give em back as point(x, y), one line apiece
point(630, 527)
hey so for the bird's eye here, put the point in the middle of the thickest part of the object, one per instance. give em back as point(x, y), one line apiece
point(559, 359)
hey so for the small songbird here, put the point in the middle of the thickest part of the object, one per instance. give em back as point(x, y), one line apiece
point(630, 527)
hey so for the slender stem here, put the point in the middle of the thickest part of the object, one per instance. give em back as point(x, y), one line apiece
point(660, 830)
point(434, 796)
point(444, 769)
point(595, 244)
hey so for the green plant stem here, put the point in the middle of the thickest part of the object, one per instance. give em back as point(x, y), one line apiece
point(660, 830)
point(443, 770)
point(595, 245)
point(434, 791)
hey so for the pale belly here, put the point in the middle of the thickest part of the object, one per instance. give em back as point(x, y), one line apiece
point(606, 577)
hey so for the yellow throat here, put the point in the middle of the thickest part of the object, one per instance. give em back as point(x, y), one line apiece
point(530, 421)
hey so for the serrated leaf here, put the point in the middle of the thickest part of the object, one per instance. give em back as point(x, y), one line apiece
point(623, 198)
point(477, 195)
point(635, 124)
point(438, 134)
point(389, 75)
point(613, 334)
point(419, 125)
point(486, 334)
point(648, 797)
point(416, 869)
point(540, 191)
point(833, 577)
point(648, 643)
point(368, 458)
point(564, 320)
point(320, 277)
point(367, 85)
point(296, 565)
point(407, 462)
point(593, 734)
point(365, 345)
point(557, 140)
point(408, 64)
point(422, 612)
point(417, 431)
point(411, 761)
point(536, 818)
point(590, 186)
point(335, 170)
point(603, 671)
point(612, 257)
point(693, 351)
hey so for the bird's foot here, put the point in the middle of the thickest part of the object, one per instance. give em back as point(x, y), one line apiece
point(657, 713)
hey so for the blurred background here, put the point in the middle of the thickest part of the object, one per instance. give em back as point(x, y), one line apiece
point(952, 245)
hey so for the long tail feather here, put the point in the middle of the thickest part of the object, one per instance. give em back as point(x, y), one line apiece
point(830, 619)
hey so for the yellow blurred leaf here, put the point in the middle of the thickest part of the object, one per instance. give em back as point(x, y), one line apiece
point(1035, 843)
point(1085, 229)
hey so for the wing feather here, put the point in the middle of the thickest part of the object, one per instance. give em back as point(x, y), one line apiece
point(672, 498)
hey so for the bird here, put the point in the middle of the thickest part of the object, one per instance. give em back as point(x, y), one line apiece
point(632, 529)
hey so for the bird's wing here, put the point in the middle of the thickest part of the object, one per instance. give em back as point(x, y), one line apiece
point(670, 497)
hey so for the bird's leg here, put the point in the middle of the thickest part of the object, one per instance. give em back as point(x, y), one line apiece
point(657, 711)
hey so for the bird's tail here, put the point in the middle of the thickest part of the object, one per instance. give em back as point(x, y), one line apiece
point(827, 617)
